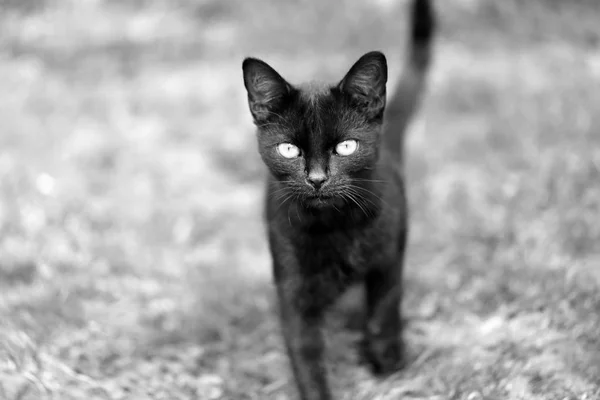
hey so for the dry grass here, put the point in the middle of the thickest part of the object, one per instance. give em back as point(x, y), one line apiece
point(133, 264)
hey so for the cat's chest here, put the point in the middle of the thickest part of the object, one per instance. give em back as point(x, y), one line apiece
point(346, 250)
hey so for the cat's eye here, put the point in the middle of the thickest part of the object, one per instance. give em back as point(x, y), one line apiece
point(346, 147)
point(288, 150)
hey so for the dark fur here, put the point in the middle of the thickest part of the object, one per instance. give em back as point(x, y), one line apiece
point(354, 227)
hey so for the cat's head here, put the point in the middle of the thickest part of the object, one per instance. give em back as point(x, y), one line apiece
point(320, 141)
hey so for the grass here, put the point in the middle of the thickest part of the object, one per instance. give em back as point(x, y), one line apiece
point(133, 263)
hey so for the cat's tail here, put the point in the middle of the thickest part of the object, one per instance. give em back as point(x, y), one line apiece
point(406, 97)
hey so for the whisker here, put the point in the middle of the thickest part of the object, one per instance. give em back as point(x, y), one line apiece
point(373, 204)
point(335, 208)
point(353, 189)
point(281, 190)
point(290, 194)
point(275, 114)
point(369, 180)
point(280, 193)
point(357, 188)
point(267, 124)
point(353, 198)
point(297, 211)
point(272, 183)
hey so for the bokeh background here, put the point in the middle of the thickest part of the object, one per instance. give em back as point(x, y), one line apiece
point(133, 263)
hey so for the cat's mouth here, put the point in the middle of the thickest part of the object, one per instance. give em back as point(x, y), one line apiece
point(320, 200)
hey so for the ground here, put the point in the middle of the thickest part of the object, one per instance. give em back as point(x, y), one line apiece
point(133, 262)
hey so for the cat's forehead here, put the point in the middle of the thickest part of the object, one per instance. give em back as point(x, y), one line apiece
point(314, 91)
point(321, 110)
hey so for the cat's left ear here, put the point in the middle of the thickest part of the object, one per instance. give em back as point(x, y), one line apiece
point(266, 89)
point(365, 83)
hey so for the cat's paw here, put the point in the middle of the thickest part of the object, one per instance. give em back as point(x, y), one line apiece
point(384, 355)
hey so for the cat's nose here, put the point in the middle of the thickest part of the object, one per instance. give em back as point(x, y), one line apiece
point(316, 179)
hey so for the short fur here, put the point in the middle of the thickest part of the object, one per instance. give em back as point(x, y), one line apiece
point(336, 220)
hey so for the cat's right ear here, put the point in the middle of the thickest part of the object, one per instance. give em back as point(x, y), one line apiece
point(365, 83)
point(266, 88)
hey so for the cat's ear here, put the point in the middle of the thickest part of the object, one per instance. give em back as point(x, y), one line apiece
point(365, 83)
point(266, 88)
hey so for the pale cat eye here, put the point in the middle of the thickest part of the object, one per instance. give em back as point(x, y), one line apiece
point(346, 147)
point(288, 150)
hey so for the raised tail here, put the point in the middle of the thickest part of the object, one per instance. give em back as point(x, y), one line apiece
point(407, 95)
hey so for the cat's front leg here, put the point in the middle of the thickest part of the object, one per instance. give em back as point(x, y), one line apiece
point(384, 347)
point(301, 321)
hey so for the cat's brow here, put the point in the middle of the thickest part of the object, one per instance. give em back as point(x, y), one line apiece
point(312, 92)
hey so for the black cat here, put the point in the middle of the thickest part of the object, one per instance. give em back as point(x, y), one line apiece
point(336, 207)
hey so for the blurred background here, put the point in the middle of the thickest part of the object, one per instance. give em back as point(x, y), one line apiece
point(133, 263)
